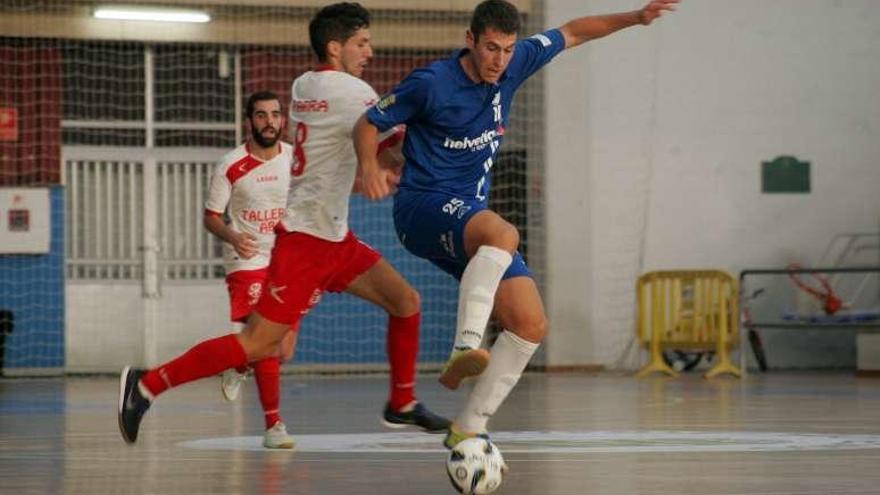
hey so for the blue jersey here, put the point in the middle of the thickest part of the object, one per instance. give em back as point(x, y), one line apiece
point(454, 125)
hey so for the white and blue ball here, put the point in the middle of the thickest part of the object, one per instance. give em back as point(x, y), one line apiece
point(475, 466)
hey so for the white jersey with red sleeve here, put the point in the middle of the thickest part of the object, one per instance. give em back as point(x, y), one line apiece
point(325, 105)
point(253, 194)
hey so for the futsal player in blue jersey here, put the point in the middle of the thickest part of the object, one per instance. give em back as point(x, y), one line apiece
point(456, 111)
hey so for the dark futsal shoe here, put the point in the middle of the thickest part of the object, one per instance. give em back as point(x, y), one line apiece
point(132, 404)
point(419, 417)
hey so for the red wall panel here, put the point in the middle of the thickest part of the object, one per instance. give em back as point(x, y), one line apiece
point(30, 82)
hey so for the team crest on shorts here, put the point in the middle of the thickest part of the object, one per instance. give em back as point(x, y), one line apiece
point(275, 292)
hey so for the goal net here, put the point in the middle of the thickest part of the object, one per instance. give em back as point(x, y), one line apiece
point(122, 122)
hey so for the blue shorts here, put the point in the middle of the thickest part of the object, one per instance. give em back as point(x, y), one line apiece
point(431, 226)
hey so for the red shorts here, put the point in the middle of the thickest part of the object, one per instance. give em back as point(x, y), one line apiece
point(245, 288)
point(304, 266)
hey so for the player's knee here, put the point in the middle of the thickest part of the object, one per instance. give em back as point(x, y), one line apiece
point(531, 327)
point(253, 348)
point(259, 343)
point(506, 237)
point(286, 355)
point(288, 345)
point(409, 304)
point(493, 231)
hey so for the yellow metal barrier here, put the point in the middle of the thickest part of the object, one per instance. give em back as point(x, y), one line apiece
point(688, 310)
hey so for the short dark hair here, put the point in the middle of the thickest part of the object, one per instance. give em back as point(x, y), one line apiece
point(259, 96)
point(499, 15)
point(336, 22)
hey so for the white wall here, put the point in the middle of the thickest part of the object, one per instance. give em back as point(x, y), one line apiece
point(655, 140)
point(109, 326)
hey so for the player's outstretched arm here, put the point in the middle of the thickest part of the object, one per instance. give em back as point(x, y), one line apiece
point(374, 184)
point(583, 29)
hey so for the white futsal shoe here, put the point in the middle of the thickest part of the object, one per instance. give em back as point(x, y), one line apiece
point(276, 437)
point(230, 383)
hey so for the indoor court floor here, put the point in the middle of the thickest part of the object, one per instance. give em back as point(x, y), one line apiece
point(604, 433)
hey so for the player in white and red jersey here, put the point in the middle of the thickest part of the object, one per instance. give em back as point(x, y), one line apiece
point(316, 251)
point(249, 187)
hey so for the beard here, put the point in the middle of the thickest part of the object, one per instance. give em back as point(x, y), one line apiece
point(264, 141)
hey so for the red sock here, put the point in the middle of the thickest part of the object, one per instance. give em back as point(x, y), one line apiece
point(268, 376)
point(403, 349)
point(204, 359)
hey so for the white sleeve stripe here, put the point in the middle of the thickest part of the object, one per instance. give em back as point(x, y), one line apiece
point(545, 41)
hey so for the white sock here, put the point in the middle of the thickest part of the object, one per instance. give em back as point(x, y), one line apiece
point(476, 294)
point(510, 355)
